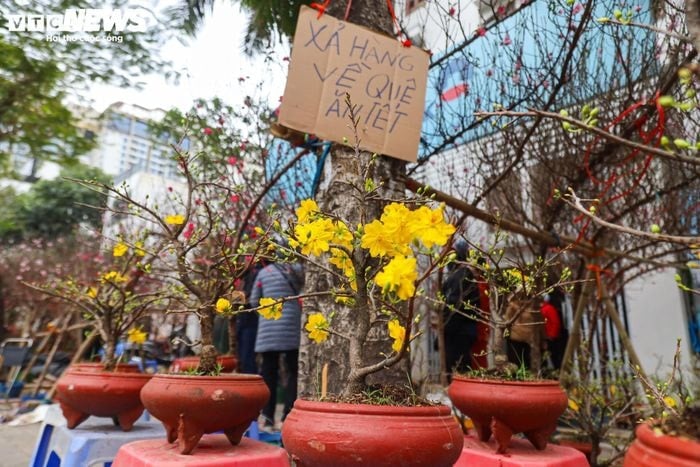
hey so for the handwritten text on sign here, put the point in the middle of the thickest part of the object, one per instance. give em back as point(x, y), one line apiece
point(385, 80)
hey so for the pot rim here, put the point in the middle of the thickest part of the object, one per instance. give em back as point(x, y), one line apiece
point(369, 409)
point(107, 374)
point(505, 382)
point(677, 445)
point(244, 378)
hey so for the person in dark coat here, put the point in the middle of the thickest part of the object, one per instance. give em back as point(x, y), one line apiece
point(461, 293)
point(247, 324)
point(279, 338)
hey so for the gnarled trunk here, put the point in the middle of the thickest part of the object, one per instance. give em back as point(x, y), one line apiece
point(207, 357)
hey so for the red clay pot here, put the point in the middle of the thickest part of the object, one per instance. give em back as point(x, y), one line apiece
point(190, 406)
point(325, 433)
point(181, 365)
point(85, 391)
point(650, 449)
point(96, 367)
point(508, 407)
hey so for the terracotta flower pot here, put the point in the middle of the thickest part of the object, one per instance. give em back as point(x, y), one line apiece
point(85, 390)
point(651, 449)
point(181, 365)
point(508, 407)
point(190, 406)
point(96, 367)
point(324, 433)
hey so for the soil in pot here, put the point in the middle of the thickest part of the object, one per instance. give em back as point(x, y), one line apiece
point(190, 406)
point(188, 364)
point(673, 442)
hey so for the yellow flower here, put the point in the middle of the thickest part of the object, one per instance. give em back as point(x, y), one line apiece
point(340, 259)
point(223, 305)
point(120, 249)
point(342, 235)
point(306, 208)
point(175, 219)
point(92, 292)
point(270, 308)
point(429, 226)
point(136, 336)
point(315, 237)
point(670, 401)
point(375, 239)
point(317, 326)
point(573, 405)
point(398, 333)
point(138, 250)
point(399, 276)
point(113, 276)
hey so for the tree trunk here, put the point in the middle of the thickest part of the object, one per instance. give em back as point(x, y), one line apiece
point(335, 197)
point(692, 20)
point(207, 357)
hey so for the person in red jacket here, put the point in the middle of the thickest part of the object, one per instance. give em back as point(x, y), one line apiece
point(552, 330)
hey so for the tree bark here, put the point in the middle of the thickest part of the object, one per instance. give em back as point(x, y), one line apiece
point(692, 20)
point(207, 357)
point(336, 197)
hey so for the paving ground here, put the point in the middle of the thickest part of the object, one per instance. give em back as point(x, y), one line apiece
point(17, 444)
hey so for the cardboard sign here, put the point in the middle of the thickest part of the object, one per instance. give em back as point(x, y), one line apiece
point(385, 80)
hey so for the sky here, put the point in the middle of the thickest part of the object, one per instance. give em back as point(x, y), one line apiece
point(211, 65)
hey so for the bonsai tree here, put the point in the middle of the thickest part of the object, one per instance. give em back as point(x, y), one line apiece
point(206, 220)
point(376, 268)
point(118, 293)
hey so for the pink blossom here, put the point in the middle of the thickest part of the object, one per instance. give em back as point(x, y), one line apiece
point(506, 40)
point(232, 160)
point(452, 11)
point(578, 8)
point(207, 131)
point(481, 31)
point(235, 198)
point(501, 10)
point(188, 231)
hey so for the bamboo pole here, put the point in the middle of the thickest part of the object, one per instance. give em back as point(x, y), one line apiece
point(624, 337)
point(575, 333)
point(76, 357)
point(52, 353)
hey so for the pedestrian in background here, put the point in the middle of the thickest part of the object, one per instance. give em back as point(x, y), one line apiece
point(279, 338)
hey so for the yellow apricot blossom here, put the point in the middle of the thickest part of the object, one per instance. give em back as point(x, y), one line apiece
point(340, 259)
point(429, 226)
point(398, 333)
point(573, 405)
point(175, 219)
point(120, 249)
point(136, 336)
point(138, 250)
point(317, 327)
point(270, 308)
point(314, 238)
point(376, 240)
point(113, 276)
point(399, 276)
point(305, 210)
point(223, 305)
point(92, 292)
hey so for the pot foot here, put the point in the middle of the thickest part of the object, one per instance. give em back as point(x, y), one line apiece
point(502, 433)
point(127, 419)
point(171, 432)
point(539, 438)
point(187, 436)
point(483, 430)
point(234, 435)
point(73, 417)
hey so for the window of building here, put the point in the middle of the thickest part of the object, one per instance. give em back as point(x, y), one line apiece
point(141, 129)
point(119, 123)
